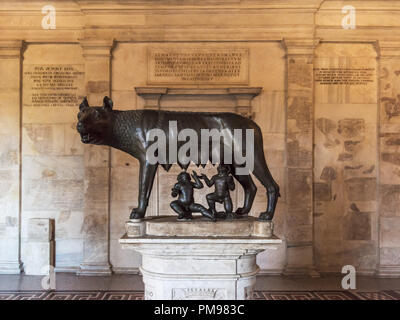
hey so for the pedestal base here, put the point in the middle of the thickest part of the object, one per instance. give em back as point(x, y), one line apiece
point(39, 257)
point(201, 267)
point(93, 269)
point(385, 271)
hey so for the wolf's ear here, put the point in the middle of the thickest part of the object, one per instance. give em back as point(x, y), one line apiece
point(107, 103)
point(84, 104)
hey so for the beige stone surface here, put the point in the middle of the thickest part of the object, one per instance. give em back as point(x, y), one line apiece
point(347, 59)
point(40, 229)
point(345, 167)
point(10, 113)
point(333, 149)
point(39, 257)
point(388, 164)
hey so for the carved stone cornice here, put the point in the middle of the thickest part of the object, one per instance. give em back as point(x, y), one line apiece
point(11, 49)
point(244, 96)
point(300, 47)
point(388, 49)
point(151, 96)
point(93, 48)
point(241, 96)
point(88, 6)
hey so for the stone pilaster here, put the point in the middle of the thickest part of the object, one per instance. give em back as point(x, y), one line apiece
point(10, 161)
point(97, 54)
point(299, 161)
point(389, 160)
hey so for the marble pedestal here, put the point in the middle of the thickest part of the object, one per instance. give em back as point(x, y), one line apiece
point(40, 247)
point(199, 259)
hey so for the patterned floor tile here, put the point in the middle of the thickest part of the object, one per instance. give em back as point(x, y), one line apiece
point(258, 295)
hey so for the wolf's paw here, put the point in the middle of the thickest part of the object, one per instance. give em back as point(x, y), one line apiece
point(232, 216)
point(241, 211)
point(266, 216)
point(136, 213)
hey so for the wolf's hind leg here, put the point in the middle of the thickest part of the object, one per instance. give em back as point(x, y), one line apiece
point(262, 173)
point(250, 191)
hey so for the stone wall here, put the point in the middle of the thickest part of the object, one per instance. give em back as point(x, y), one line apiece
point(52, 171)
point(328, 111)
point(345, 159)
point(389, 164)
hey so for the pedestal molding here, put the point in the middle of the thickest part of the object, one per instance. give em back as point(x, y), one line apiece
point(211, 277)
point(388, 271)
point(11, 267)
point(93, 269)
point(126, 270)
point(298, 271)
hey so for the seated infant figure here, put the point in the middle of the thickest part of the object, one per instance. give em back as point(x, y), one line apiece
point(184, 206)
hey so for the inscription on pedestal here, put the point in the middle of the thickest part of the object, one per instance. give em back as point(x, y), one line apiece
point(198, 65)
point(198, 294)
point(60, 85)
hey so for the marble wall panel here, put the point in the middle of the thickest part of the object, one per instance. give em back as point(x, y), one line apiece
point(389, 165)
point(69, 254)
point(389, 235)
point(123, 261)
point(10, 65)
point(346, 161)
point(390, 256)
point(53, 180)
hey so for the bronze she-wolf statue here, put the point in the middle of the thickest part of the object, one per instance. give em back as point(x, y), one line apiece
point(128, 131)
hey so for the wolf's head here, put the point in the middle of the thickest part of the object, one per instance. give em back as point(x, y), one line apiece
point(94, 123)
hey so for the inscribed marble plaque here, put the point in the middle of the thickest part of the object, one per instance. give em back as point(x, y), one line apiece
point(198, 65)
point(55, 85)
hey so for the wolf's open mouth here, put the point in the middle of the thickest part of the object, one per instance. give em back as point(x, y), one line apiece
point(85, 138)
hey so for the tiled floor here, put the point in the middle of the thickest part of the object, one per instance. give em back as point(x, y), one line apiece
point(69, 281)
point(138, 295)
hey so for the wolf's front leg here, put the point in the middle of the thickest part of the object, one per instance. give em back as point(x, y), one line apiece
point(146, 178)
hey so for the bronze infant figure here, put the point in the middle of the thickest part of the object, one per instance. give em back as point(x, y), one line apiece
point(127, 131)
point(223, 183)
point(185, 204)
